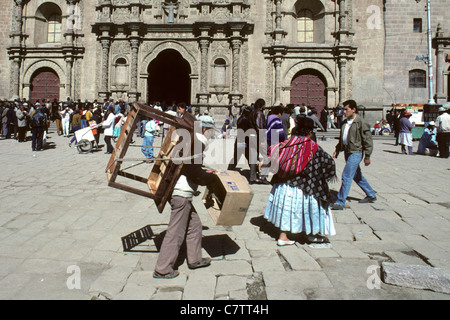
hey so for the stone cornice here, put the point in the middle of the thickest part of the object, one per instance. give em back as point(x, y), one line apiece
point(243, 27)
point(57, 51)
point(301, 48)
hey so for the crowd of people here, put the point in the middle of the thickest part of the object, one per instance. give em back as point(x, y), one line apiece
point(300, 201)
point(434, 140)
point(21, 117)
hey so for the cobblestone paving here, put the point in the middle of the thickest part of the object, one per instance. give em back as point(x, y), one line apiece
point(59, 219)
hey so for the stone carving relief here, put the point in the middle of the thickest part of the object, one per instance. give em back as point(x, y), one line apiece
point(120, 47)
point(221, 13)
point(121, 15)
point(244, 68)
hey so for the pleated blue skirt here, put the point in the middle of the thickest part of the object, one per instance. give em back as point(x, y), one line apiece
point(290, 210)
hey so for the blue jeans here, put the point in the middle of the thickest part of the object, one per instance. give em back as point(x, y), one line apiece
point(351, 172)
point(147, 147)
point(74, 138)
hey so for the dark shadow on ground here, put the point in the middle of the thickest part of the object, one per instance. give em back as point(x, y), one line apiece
point(140, 241)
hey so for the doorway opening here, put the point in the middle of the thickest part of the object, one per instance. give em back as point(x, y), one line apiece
point(169, 81)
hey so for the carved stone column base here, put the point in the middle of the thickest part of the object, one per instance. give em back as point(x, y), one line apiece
point(103, 95)
point(235, 97)
point(133, 96)
point(203, 98)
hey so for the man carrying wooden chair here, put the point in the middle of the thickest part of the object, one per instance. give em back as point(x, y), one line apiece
point(185, 224)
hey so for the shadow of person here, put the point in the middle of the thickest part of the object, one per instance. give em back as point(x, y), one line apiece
point(271, 230)
point(265, 227)
point(216, 246)
point(394, 152)
point(219, 245)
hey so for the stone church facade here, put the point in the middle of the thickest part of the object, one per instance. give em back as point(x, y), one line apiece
point(218, 52)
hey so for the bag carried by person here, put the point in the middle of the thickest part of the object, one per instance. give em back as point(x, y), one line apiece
point(293, 155)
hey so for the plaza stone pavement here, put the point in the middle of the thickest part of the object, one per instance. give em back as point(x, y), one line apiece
point(61, 226)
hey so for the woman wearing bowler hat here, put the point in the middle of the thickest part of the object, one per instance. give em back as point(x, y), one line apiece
point(405, 138)
point(300, 197)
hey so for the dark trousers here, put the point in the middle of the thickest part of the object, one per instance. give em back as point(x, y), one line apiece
point(109, 147)
point(10, 131)
point(74, 138)
point(184, 225)
point(37, 136)
point(443, 140)
point(22, 134)
point(97, 138)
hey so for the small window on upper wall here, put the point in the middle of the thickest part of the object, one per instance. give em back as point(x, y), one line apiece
point(417, 25)
point(417, 79)
point(305, 30)
point(54, 29)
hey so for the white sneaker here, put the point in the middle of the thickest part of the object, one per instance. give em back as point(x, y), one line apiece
point(282, 243)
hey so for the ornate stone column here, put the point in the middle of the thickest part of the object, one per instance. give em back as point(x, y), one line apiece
point(14, 50)
point(16, 30)
point(15, 75)
point(342, 61)
point(342, 80)
point(69, 64)
point(203, 96)
point(342, 16)
point(104, 91)
point(440, 95)
point(235, 94)
point(278, 62)
point(278, 14)
point(133, 94)
point(204, 49)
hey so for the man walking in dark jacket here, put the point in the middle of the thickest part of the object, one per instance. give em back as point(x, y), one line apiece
point(11, 121)
point(356, 141)
point(38, 124)
point(258, 145)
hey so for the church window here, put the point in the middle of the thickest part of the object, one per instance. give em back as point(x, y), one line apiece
point(417, 25)
point(54, 29)
point(305, 30)
point(417, 79)
point(48, 24)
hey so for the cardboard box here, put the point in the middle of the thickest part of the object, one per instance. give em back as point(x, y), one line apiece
point(229, 204)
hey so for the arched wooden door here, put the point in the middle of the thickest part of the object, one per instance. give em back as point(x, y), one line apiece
point(309, 87)
point(44, 85)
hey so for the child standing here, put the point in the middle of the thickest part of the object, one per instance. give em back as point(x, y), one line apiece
point(147, 144)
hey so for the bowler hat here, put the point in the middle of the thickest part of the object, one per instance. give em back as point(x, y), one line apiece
point(304, 122)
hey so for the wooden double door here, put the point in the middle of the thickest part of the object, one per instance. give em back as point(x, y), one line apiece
point(309, 87)
point(45, 84)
